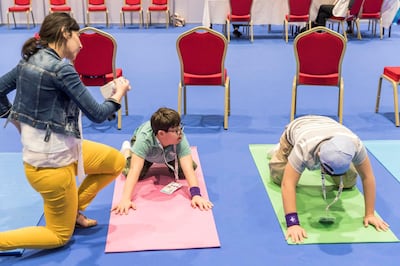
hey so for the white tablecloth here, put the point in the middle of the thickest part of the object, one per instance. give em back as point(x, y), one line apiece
point(274, 11)
point(263, 11)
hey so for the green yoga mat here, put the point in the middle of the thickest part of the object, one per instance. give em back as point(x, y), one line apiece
point(387, 153)
point(348, 210)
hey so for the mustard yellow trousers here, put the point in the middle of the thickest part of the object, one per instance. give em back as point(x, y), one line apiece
point(61, 197)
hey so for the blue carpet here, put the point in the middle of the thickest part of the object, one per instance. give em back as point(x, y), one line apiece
point(261, 78)
point(20, 204)
point(386, 152)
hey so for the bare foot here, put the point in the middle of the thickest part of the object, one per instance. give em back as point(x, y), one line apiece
point(83, 222)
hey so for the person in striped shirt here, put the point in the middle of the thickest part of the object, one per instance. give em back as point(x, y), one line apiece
point(318, 142)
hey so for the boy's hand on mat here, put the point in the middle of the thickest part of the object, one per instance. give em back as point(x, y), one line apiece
point(123, 207)
point(201, 203)
point(379, 224)
point(296, 233)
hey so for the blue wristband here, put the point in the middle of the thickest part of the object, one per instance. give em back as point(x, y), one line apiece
point(292, 219)
point(194, 191)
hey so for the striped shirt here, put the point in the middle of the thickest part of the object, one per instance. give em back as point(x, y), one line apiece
point(307, 133)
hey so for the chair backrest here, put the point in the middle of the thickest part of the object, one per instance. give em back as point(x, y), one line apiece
point(22, 2)
point(299, 7)
point(356, 7)
point(58, 2)
point(97, 56)
point(319, 54)
point(133, 2)
point(202, 51)
point(372, 6)
point(96, 2)
point(241, 7)
point(159, 2)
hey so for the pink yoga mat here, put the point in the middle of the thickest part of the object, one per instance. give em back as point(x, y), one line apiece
point(161, 221)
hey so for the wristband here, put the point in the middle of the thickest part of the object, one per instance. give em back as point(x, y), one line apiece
point(292, 219)
point(194, 191)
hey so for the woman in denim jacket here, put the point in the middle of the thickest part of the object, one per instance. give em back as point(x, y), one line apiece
point(46, 110)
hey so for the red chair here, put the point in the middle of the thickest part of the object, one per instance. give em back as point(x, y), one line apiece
point(371, 11)
point(299, 11)
point(391, 74)
point(95, 63)
point(60, 6)
point(354, 13)
point(18, 7)
point(158, 6)
point(96, 6)
point(309, 46)
point(131, 6)
point(201, 53)
point(240, 14)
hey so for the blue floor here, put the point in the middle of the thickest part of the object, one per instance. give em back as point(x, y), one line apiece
point(261, 79)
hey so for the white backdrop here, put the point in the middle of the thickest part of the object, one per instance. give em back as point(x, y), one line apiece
point(191, 10)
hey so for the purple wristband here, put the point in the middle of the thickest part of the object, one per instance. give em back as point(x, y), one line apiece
point(194, 191)
point(292, 219)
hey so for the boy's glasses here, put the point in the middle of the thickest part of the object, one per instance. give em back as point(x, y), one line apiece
point(177, 130)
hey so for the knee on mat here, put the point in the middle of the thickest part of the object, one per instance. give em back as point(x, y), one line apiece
point(63, 239)
point(276, 179)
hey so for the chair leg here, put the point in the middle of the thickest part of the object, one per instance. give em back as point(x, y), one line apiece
point(141, 19)
point(167, 18)
point(344, 30)
point(8, 20)
point(358, 29)
point(15, 23)
point(180, 98)
point(340, 104)
point(251, 32)
point(378, 95)
point(396, 103)
point(184, 99)
point(27, 20)
point(294, 99)
point(107, 19)
point(121, 18)
point(228, 30)
point(147, 19)
point(119, 119)
point(226, 104)
point(33, 19)
point(286, 30)
point(126, 105)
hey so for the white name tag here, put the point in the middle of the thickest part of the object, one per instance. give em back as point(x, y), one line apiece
point(171, 188)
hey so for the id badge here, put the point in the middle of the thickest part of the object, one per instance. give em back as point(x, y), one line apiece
point(171, 188)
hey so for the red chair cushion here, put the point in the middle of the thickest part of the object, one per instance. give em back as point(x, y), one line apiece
point(158, 8)
point(392, 73)
point(210, 79)
point(370, 15)
point(61, 9)
point(97, 8)
point(100, 80)
point(131, 8)
point(294, 18)
point(18, 8)
point(239, 18)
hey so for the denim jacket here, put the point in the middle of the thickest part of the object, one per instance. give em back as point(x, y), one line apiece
point(49, 94)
